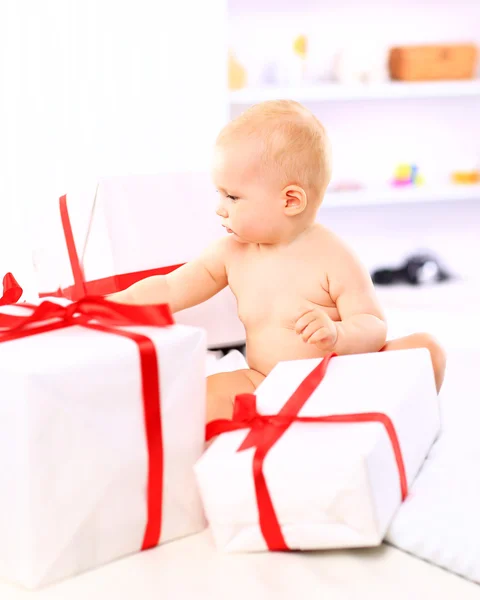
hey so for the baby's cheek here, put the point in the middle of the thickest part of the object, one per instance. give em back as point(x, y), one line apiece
point(250, 227)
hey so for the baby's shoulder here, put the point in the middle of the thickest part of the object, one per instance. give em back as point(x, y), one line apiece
point(331, 246)
point(324, 237)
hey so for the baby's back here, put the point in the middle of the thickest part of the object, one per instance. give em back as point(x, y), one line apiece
point(274, 287)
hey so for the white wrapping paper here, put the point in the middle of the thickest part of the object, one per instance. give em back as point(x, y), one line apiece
point(73, 448)
point(135, 223)
point(332, 485)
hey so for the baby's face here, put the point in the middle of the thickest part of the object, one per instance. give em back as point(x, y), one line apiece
point(249, 205)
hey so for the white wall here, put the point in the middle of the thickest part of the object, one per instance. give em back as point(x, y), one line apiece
point(92, 88)
point(370, 137)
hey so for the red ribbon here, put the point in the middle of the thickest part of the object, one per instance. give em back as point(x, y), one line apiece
point(12, 292)
point(266, 430)
point(100, 314)
point(96, 287)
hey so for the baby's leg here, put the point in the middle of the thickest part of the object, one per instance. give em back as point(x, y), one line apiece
point(424, 340)
point(223, 387)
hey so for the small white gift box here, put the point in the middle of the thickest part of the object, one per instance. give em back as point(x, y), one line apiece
point(280, 484)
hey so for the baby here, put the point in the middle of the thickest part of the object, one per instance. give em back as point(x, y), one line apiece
point(301, 292)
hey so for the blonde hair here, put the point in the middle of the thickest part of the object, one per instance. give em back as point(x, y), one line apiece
point(295, 143)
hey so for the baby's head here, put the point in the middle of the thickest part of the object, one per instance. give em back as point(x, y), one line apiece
point(271, 168)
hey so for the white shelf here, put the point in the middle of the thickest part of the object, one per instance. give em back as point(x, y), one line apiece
point(391, 195)
point(326, 92)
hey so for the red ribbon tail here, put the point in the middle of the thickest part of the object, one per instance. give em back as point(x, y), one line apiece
point(219, 426)
point(12, 292)
point(79, 281)
point(267, 517)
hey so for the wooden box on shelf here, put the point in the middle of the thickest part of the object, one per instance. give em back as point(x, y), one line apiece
point(433, 62)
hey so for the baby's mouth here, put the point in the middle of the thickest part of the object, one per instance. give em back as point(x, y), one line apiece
point(228, 229)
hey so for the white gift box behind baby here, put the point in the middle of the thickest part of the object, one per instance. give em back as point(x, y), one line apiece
point(332, 485)
point(135, 224)
point(73, 447)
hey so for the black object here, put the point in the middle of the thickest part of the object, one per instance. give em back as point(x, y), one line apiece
point(418, 269)
point(226, 349)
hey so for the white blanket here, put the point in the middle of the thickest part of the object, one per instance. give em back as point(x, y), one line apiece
point(440, 520)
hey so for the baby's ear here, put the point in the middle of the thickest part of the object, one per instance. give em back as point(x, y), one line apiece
point(294, 200)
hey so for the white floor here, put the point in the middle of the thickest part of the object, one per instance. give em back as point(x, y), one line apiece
point(192, 569)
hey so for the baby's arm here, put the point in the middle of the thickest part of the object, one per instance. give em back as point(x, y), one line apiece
point(362, 326)
point(187, 286)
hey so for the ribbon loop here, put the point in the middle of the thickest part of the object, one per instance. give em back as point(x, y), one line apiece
point(245, 408)
point(90, 308)
point(12, 292)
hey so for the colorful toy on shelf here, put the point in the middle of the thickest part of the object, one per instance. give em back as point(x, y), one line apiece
point(298, 68)
point(237, 75)
point(466, 177)
point(291, 65)
point(406, 175)
point(300, 46)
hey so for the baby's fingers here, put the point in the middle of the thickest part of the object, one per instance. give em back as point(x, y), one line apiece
point(310, 330)
point(320, 335)
point(304, 321)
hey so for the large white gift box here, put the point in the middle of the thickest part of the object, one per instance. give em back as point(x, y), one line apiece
point(329, 484)
point(102, 237)
point(97, 442)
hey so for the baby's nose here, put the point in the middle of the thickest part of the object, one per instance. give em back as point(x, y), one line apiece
point(222, 211)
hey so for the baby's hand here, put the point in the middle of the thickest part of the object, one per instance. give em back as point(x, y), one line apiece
point(316, 327)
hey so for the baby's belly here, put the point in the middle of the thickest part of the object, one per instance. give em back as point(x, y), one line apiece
point(266, 346)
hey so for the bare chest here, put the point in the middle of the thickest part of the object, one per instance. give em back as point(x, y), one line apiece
point(275, 290)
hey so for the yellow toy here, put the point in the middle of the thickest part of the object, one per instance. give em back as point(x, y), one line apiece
point(237, 75)
point(300, 46)
point(407, 175)
point(466, 177)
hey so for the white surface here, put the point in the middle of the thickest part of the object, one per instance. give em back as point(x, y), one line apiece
point(440, 521)
point(192, 569)
point(407, 195)
point(73, 448)
point(448, 311)
point(326, 92)
point(332, 485)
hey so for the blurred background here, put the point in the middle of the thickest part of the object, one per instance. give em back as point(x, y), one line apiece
point(89, 89)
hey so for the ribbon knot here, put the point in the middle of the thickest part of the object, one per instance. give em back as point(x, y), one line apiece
point(245, 413)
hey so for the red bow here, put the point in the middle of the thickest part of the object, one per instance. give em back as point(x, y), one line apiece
point(266, 430)
point(102, 315)
point(12, 292)
point(83, 312)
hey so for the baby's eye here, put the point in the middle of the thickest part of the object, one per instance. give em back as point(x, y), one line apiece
point(232, 198)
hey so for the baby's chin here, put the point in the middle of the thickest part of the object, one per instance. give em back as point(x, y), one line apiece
point(244, 237)
point(239, 239)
